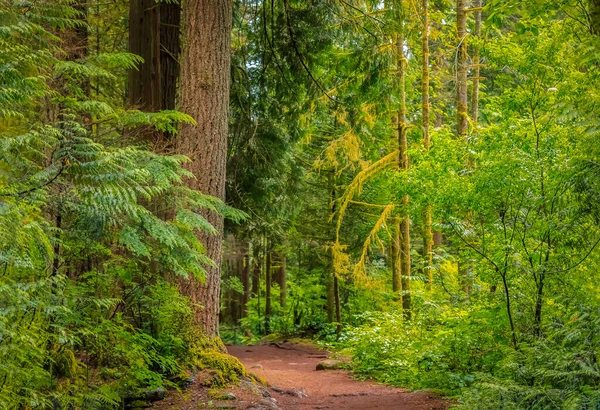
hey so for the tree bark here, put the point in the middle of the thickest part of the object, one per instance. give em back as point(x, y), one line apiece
point(462, 117)
point(283, 281)
point(427, 221)
point(205, 81)
point(246, 283)
point(338, 307)
point(170, 31)
point(255, 274)
point(330, 300)
point(425, 75)
point(144, 40)
point(396, 266)
point(402, 137)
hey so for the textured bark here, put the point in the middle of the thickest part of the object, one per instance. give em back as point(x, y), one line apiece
point(144, 40)
point(462, 118)
point(154, 35)
point(205, 80)
point(170, 20)
point(476, 64)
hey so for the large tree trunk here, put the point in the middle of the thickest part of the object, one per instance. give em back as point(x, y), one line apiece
point(144, 40)
point(205, 79)
point(154, 34)
point(170, 31)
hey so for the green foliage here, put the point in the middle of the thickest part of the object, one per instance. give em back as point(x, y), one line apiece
point(92, 231)
point(508, 321)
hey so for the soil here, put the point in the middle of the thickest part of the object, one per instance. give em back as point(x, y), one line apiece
point(292, 366)
point(294, 384)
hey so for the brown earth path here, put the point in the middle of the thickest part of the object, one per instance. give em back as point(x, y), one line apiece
point(290, 368)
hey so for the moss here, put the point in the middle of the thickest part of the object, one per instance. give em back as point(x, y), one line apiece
point(259, 379)
point(200, 342)
point(226, 368)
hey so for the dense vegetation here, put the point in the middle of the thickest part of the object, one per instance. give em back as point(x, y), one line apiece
point(414, 183)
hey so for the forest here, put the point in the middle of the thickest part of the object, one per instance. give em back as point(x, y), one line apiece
point(412, 184)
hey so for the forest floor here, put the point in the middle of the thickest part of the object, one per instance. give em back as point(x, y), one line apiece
point(295, 384)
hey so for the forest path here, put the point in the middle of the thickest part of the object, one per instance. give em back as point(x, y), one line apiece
point(290, 371)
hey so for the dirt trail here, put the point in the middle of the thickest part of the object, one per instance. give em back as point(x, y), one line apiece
point(291, 369)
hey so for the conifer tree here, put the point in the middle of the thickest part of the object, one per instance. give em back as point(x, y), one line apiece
point(205, 78)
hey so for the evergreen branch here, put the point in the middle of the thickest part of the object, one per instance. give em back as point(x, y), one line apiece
point(299, 55)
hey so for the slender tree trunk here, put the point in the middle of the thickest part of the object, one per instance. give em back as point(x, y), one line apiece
point(338, 307)
point(205, 80)
point(330, 300)
point(425, 75)
point(509, 311)
point(255, 273)
point(268, 285)
point(283, 281)
point(462, 118)
point(476, 64)
point(427, 221)
point(402, 137)
point(537, 324)
point(396, 267)
point(335, 284)
point(246, 281)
